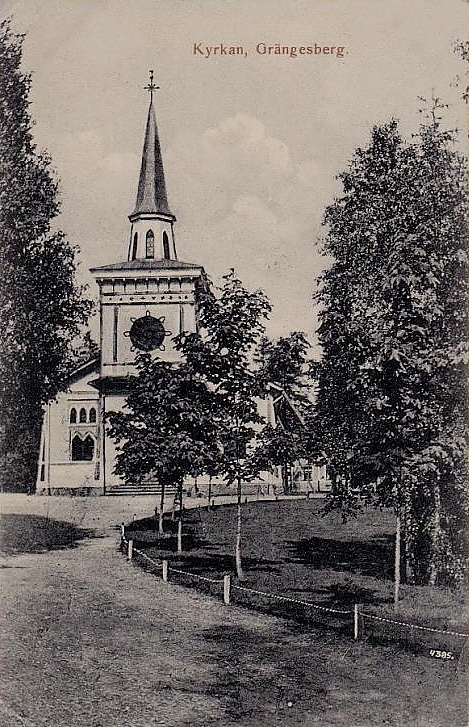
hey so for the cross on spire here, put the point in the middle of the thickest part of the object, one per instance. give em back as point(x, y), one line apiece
point(151, 87)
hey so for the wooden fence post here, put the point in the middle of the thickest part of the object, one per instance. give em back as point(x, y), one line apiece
point(226, 589)
point(165, 571)
point(122, 531)
point(356, 622)
point(130, 550)
point(134, 517)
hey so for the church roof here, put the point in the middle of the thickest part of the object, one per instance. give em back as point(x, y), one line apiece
point(151, 195)
point(85, 368)
point(149, 264)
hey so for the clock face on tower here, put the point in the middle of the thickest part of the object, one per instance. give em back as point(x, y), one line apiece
point(147, 333)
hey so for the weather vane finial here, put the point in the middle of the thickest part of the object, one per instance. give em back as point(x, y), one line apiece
point(151, 87)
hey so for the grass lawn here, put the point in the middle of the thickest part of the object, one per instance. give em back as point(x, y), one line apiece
point(290, 549)
point(27, 533)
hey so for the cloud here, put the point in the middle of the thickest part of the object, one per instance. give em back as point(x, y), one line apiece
point(246, 203)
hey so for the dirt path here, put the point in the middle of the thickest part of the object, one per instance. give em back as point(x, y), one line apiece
point(90, 640)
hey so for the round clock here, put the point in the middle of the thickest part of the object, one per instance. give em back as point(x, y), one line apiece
point(147, 333)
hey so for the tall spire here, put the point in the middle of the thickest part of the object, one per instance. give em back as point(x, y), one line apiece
point(151, 195)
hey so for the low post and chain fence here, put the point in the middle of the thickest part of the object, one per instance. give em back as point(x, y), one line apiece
point(358, 623)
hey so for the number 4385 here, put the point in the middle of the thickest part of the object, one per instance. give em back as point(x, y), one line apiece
point(437, 654)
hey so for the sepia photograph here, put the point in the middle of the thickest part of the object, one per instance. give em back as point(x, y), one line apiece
point(234, 363)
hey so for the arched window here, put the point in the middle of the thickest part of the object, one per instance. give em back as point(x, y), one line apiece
point(134, 247)
point(82, 416)
point(73, 415)
point(150, 244)
point(166, 254)
point(82, 449)
point(92, 415)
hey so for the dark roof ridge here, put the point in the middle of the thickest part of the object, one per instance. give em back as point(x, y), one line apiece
point(150, 264)
point(90, 364)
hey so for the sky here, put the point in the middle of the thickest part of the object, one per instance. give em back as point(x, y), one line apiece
point(252, 143)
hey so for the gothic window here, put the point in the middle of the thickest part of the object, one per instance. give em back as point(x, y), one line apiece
point(82, 416)
point(150, 244)
point(166, 254)
point(73, 415)
point(134, 247)
point(82, 449)
point(92, 415)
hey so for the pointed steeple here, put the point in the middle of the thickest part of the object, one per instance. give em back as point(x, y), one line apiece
point(151, 223)
point(151, 195)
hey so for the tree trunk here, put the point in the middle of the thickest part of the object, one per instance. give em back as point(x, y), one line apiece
point(209, 488)
point(239, 569)
point(405, 569)
point(436, 538)
point(397, 562)
point(160, 520)
point(179, 548)
point(408, 538)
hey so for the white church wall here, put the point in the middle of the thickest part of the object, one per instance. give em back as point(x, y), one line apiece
point(114, 402)
point(57, 470)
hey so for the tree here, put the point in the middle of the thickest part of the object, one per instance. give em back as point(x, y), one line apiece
point(279, 447)
point(391, 405)
point(168, 428)
point(198, 416)
point(283, 362)
point(41, 306)
point(82, 350)
point(221, 353)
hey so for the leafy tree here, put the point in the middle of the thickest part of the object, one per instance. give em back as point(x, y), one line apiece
point(279, 447)
point(283, 362)
point(82, 350)
point(391, 402)
point(198, 416)
point(168, 428)
point(231, 325)
point(41, 306)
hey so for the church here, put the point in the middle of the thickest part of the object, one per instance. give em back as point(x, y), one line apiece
point(144, 301)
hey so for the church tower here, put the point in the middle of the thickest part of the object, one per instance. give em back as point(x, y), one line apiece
point(147, 299)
